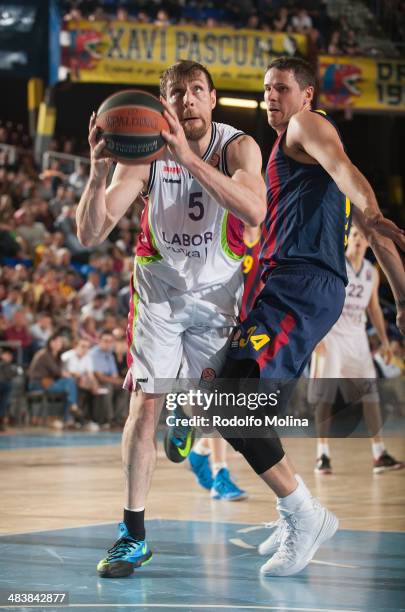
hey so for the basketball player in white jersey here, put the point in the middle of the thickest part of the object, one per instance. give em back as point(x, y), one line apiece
point(345, 353)
point(187, 281)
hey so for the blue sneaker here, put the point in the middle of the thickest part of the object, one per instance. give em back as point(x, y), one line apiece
point(126, 555)
point(225, 488)
point(179, 439)
point(200, 465)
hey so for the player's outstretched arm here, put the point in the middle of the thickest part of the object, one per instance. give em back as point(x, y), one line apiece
point(244, 194)
point(99, 208)
point(391, 263)
point(319, 139)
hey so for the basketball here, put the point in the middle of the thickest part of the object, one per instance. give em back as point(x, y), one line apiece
point(130, 122)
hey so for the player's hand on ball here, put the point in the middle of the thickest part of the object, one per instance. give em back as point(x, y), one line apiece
point(100, 164)
point(176, 138)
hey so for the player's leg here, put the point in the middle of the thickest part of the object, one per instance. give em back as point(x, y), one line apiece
point(200, 463)
point(223, 486)
point(325, 369)
point(139, 458)
point(205, 346)
point(363, 368)
point(179, 437)
point(383, 461)
point(155, 352)
point(278, 337)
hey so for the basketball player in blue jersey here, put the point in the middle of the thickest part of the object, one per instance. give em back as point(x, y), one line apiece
point(187, 280)
point(302, 253)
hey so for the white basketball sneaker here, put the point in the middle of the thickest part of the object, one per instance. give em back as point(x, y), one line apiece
point(272, 543)
point(303, 533)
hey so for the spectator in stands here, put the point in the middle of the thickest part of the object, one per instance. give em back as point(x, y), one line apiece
point(350, 46)
point(142, 17)
point(78, 363)
point(281, 22)
point(19, 333)
point(46, 373)
point(59, 201)
point(8, 371)
point(13, 302)
point(301, 21)
point(33, 232)
point(99, 14)
point(78, 179)
point(334, 46)
point(162, 19)
point(122, 14)
point(95, 308)
point(253, 23)
point(41, 330)
point(66, 223)
point(89, 330)
point(55, 174)
point(75, 14)
point(89, 290)
point(106, 372)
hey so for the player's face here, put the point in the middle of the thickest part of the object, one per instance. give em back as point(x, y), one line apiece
point(357, 243)
point(283, 97)
point(193, 102)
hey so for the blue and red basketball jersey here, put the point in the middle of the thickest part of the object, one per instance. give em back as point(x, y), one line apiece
point(252, 272)
point(308, 218)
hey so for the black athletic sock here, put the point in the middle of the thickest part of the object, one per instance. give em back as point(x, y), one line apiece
point(135, 523)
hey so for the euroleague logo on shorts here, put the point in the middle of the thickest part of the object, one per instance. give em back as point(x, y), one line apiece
point(208, 374)
point(235, 339)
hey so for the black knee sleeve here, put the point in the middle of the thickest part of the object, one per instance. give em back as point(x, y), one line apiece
point(260, 453)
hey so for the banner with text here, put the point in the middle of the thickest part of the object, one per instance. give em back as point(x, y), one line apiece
point(362, 83)
point(137, 54)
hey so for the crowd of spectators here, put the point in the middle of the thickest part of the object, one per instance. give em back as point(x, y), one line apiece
point(391, 15)
point(58, 296)
point(307, 17)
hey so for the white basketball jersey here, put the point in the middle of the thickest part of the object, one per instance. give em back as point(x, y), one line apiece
point(358, 293)
point(187, 239)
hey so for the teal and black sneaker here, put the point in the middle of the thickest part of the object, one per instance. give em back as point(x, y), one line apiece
point(179, 439)
point(126, 555)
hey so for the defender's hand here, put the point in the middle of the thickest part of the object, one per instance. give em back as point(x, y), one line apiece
point(385, 227)
point(401, 318)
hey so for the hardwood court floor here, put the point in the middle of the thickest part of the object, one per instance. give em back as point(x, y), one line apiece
point(71, 486)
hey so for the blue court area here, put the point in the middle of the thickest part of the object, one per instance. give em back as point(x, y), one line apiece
point(58, 439)
point(208, 566)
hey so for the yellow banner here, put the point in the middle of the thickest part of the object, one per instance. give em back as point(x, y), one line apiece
point(362, 83)
point(137, 54)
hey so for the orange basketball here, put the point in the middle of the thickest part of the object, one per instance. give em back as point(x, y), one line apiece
point(130, 122)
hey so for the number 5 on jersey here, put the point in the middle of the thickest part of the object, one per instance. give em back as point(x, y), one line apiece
point(195, 203)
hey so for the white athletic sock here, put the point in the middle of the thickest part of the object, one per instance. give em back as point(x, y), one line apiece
point(299, 479)
point(134, 509)
point(378, 448)
point(298, 500)
point(322, 449)
point(201, 449)
point(218, 465)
